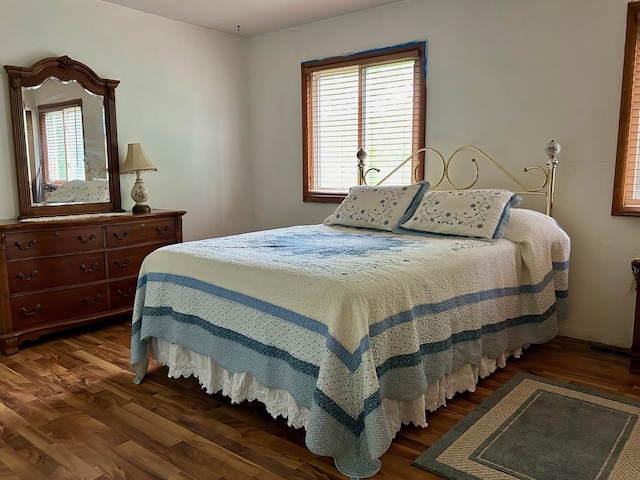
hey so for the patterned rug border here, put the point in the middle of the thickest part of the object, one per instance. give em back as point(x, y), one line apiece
point(449, 438)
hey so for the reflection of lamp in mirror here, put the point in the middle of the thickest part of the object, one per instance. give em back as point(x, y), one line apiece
point(137, 162)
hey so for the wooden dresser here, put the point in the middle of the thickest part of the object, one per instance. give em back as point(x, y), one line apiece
point(55, 275)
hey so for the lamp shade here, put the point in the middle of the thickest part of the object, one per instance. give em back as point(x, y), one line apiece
point(136, 160)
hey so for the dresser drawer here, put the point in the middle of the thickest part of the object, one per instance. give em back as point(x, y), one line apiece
point(126, 261)
point(122, 293)
point(39, 273)
point(53, 242)
point(64, 304)
point(132, 233)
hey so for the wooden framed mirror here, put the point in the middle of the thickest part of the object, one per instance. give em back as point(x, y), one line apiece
point(66, 141)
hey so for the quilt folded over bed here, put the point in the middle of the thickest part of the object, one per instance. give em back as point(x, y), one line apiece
point(343, 318)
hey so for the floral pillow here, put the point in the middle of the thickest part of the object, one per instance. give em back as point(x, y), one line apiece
point(378, 207)
point(480, 213)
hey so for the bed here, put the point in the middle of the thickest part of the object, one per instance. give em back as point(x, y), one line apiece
point(403, 297)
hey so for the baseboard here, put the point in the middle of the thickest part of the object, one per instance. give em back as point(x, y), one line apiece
point(608, 349)
point(597, 338)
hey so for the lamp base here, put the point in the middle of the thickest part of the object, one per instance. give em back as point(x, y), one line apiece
point(141, 209)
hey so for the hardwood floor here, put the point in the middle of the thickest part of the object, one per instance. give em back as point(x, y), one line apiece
point(69, 409)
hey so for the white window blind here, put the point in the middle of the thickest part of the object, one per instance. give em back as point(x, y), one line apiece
point(632, 177)
point(388, 123)
point(63, 144)
point(626, 193)
point(335, 128)
point(376, 104)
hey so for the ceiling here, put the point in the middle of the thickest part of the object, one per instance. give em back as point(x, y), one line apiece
point(249, 18)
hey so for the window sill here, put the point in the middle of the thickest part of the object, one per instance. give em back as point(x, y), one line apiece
point(320, 197)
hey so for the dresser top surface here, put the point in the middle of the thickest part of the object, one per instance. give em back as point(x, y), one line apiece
point(80, 220)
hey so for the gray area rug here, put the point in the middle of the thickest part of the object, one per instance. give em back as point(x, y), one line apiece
point(532, 428)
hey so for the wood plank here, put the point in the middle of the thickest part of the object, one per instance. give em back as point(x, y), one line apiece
point(27, 461)
point(58, 452)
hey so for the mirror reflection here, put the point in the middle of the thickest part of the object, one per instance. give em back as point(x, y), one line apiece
point(66, 143)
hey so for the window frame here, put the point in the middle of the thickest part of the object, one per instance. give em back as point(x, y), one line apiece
point(371, 57)
point(621, 205)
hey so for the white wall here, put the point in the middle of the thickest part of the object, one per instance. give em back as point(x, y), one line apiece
point(182, 94)
point(505, 75)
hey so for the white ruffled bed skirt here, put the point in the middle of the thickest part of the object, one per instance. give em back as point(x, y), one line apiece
point(243, 386)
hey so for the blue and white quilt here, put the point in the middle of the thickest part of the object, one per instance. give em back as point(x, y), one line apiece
point(343, 317)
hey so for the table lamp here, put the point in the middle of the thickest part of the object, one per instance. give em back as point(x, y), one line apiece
point(137, 162)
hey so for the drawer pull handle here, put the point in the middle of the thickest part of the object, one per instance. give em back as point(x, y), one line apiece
point(91, 302)
point(87, 240)
point(122, 264)
point(27, 246)
point(27, 278)
point(23, 310)
point(162, 231)
point(125, 294)
point(121, 237)
point(90, 269)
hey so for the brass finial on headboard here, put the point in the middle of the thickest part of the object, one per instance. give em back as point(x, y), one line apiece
point(552, 149)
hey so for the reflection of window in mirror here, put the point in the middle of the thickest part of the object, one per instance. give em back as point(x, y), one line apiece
point(62, 142)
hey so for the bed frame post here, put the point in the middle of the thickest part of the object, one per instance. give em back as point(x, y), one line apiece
point(362, 170)
point(552, 149)
point(362, 156)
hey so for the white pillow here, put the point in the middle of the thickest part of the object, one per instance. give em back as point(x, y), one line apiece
point(378, 207)
point(479, 213)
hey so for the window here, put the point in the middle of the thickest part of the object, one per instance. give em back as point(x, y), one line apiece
point(62, 142)
point(626, 188)
point(373, 100)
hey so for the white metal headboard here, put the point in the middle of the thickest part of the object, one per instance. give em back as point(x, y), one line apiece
point(546, 188)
